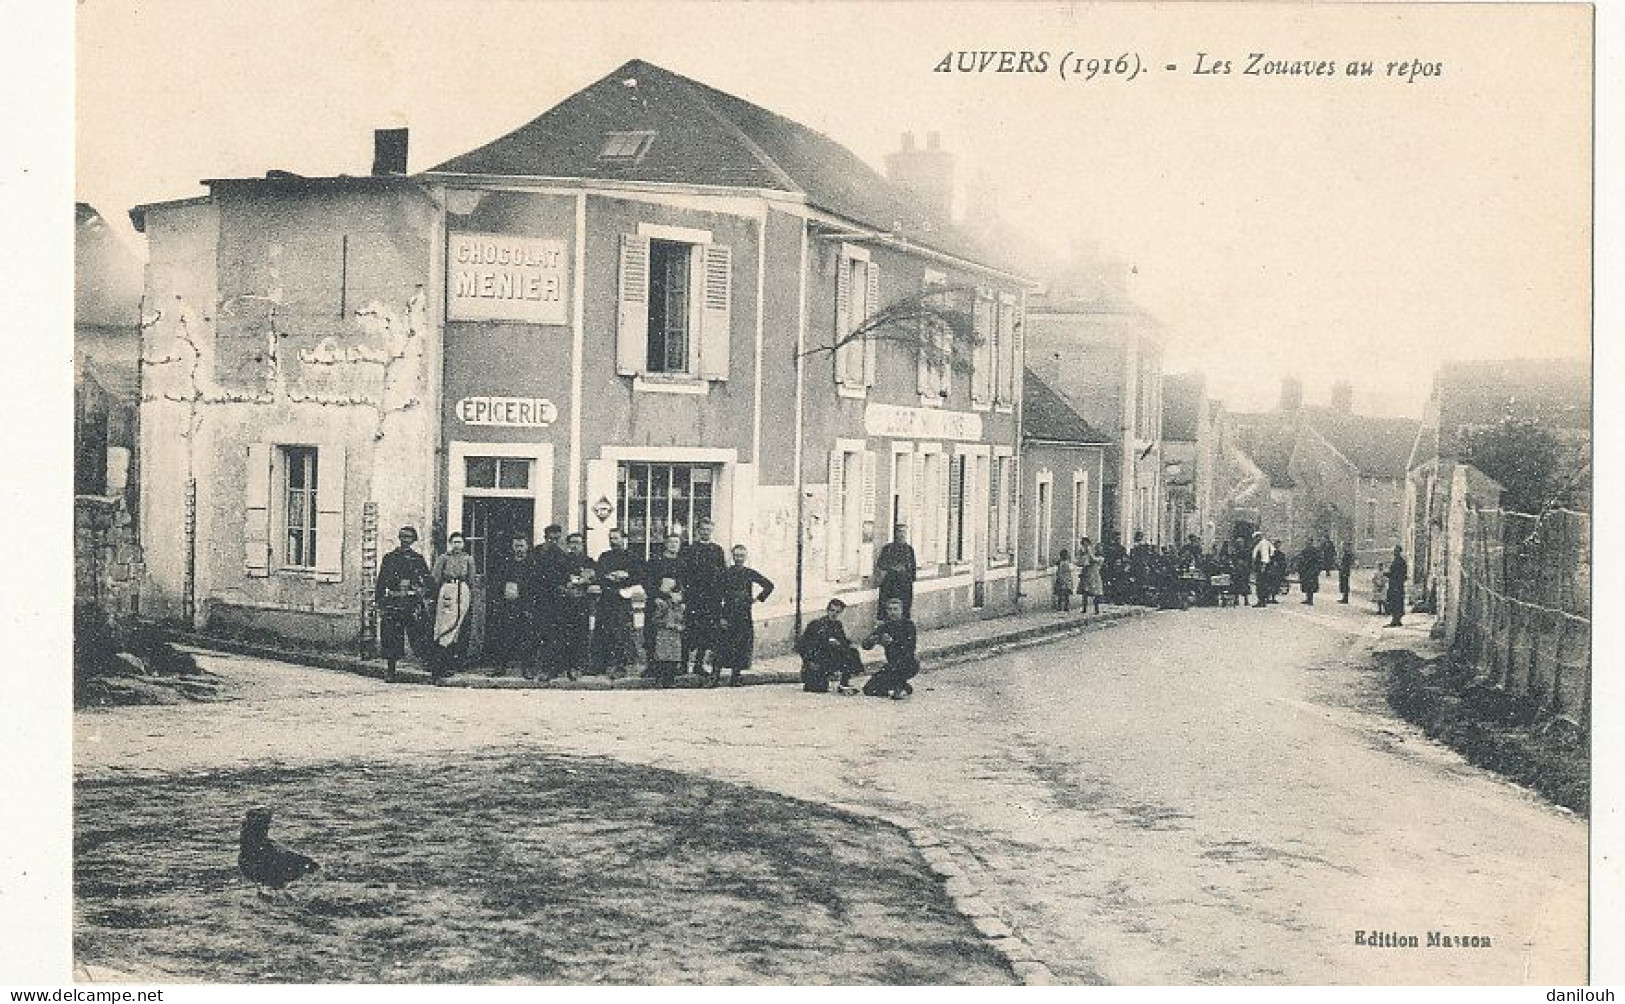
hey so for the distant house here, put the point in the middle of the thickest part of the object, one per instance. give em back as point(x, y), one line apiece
point(1190, 424)
point(106, 353)
point(1089, 341)
point(1472, 395)
point(1062, 459)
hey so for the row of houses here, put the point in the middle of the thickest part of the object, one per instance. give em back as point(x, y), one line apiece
point(632, 312)
point(657, 303)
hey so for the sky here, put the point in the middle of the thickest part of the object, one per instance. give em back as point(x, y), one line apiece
point(1356, 228)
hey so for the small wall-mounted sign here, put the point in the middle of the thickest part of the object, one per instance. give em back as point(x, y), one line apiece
point(508, 412)
point(899, 422)
point(501, 277)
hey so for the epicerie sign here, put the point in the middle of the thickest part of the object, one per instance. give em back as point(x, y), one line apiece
point(899, 422)
point(508, 412)
point(500, 277)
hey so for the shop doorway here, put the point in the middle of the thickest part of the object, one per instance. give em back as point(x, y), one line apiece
point(490, 526)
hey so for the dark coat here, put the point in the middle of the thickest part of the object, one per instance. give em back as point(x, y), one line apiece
point(401, 565)
point(700, 566)
point(1309, 568)
point(1398, 572)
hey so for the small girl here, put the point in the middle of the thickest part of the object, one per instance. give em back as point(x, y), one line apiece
point(669, 655)
point(1063, 582)
point(1379, 589)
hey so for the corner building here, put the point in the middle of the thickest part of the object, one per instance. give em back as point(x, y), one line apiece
point(621, 314)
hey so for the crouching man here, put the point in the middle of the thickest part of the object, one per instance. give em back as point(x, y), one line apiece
point(897, 636)
point(827, 653)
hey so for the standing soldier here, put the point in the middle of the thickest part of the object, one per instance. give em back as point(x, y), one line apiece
point(1309, 563)
point(1345, 570)
point(702, 564)
point(1328, 554)
point(1398, 571)
point(620, 574)
point(402, 587)
point(549, 572)
point(895, 571)
point(574, 605)
point(736, 639)
point(510, 614)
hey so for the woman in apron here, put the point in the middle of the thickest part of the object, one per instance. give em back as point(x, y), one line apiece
point(453, 572)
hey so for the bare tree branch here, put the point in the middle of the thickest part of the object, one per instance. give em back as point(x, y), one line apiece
point(932, 322)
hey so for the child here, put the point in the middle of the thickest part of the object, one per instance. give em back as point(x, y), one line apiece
point(897, 636)
point(1063, 582)
point(1379, 589)
point(668, 654)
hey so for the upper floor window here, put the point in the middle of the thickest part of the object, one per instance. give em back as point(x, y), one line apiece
point(857, 297)
point(675, 304)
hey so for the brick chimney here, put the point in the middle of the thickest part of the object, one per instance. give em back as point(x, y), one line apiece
point(388, 151)
point(1343, 397)
point(1291, 395)
point(928, 173)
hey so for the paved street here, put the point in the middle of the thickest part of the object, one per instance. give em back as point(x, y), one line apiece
point(1209, 796)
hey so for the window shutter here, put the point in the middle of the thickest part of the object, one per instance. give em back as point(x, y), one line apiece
point(330, 513)
point(995, 507)
point(981, 385)
point(716, 329)
point(632, 323)
point(866, 549)
point(843, 316)
point(871, 347)
point(920, 514)
point(833, 552)
point(956, 477)
point(1007, 351)
point(1012, 482)
point(257, 511)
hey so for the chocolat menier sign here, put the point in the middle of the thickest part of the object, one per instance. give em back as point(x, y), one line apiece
point(502, 277)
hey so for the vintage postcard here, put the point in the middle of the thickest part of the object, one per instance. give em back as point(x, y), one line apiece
point(790, 493)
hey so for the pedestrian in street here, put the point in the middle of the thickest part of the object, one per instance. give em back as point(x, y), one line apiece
point(1328, 555)
point(896, 569)
point(399, 595)
point(827, 653)
point(1141, 571)
point(668, 652)
point(453, 578)
point(1379, 589)
point(668, 564)
point(1115, 569)
point(736, 638)
point(1241, 573)
point(621, 577)
point(550, 570)
point(1263, 556)
point(1345, 570)
point(574, 603)
point(702, 564)
point(1398, 571)
point(1061, 589)
point(1309, 566)
point(896, 635)
point(1091, 578)
point(511, 605)
point(1278, 571)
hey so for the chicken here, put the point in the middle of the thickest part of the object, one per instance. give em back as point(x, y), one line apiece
point(262, 861)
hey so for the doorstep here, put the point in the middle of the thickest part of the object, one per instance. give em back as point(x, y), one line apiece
point(938, 648)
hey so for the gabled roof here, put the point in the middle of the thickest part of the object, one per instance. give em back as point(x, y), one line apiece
point(1046, 416)
point(1267, 439)
point(1183, 395)
point(704, 136)
point(1377, 447)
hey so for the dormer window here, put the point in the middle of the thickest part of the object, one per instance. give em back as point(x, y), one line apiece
point(625, 147)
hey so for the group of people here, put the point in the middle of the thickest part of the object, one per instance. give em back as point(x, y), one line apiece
point(555, 611)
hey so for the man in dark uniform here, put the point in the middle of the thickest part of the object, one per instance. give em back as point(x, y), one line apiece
point(1141, 558)
point(895, 571)
point(573, 603)
point(1309, 565)
point(1398, 571)
point(1328, 555)
point(510, 609)
point(897, 636)
point(618, 570)
point(549, 572)
point(399, 594)
point(702, 563)
point(826, 652)
point(666, 565)
point(1345, 570)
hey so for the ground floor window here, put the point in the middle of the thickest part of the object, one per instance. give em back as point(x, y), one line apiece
point(1041, 498)
point(299, 509)
point(654, 500)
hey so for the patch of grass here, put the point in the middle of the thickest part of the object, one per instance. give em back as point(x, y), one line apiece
point(1491, 728)
point(509, 869)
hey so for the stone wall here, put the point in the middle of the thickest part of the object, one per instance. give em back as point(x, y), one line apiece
point(106, 556)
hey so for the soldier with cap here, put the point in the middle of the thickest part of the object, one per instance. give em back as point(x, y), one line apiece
point(399, 594)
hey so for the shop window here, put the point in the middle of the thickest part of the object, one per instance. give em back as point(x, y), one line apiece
point(653, 500)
